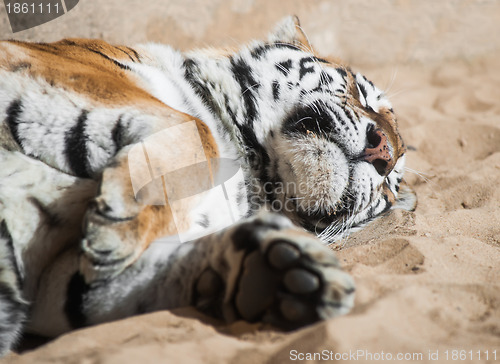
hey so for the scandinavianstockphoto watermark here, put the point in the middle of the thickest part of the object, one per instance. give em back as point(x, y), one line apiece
point(171, 168)
point(26, 14)
point(437, 355)
point(171, 165)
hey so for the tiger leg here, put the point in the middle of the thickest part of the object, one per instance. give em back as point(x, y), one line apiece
point(260, 270)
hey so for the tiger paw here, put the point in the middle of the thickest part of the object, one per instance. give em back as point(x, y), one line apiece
point(110, 243)
point(288, 277)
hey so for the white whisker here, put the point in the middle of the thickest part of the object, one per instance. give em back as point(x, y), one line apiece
point(391, 81)
point(249, 88)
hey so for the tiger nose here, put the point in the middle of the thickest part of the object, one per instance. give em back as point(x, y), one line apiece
point(377, 151)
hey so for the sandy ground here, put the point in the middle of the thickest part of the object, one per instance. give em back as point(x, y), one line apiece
point(428, 281)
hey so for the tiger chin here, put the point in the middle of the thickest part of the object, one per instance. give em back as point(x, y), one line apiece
point(141, 179)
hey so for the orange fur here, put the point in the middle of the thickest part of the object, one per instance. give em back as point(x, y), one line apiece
point(79, 65)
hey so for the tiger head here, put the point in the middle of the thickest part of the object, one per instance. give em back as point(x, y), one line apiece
point(321, 141)
point(338, 143)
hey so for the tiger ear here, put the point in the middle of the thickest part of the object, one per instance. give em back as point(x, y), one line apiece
point(289, 31)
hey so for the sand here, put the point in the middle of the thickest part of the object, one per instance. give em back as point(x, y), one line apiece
point(427, 281)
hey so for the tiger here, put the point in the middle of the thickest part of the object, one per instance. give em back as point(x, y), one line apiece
point(138, 179)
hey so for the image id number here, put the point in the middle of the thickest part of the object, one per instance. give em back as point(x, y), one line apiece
point(31, 8)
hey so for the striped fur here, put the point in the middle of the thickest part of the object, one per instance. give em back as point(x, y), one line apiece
point(309, 140)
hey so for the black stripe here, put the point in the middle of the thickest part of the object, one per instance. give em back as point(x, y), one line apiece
point(128, 55)
point(349, 113)
point(304, 69)
point(51, 219)
point(190, 73)
point(259, 51)
point(363, 91)
point(257, 156)
point(276, 90)
point(284, 67)
point(339, 119)
point(346, 119)
point(20, 66)
point(17, 310)
point(135, 53)
point(76, 147)
point(122, 66)
point(243, 75)
point(287, 46)
point(64, 41)
point(387, 206)
point(325, 79)
point(228, 109)
point(346, 113)
point(321, 60)
point(74, 305)
point(342, 72)
point(13, 112)
point(371, 212)
point(117, 134)
point(5, 233)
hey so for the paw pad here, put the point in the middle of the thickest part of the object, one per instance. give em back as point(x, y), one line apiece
point(282, 255)
point(288, 285)
point(300, 281)
point(294, 311)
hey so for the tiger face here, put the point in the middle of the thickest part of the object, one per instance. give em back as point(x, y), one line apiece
point(321, 142)
point(336, 158)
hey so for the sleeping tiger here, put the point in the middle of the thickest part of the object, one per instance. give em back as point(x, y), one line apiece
point(141, 179)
